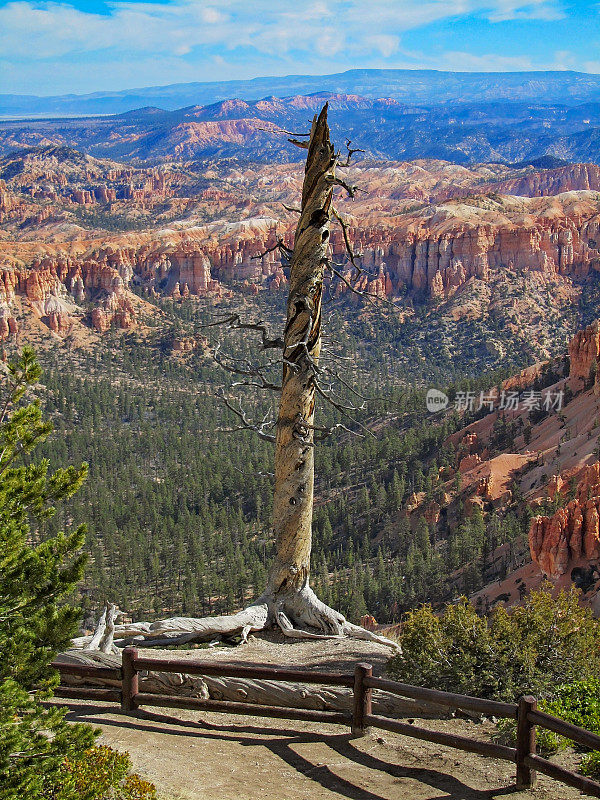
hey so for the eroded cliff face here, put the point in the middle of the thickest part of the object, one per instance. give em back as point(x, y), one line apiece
point(56, 288)
point(413, 223)
point(435, 251)
point(584, 355)
point(212, 230)
point(546, 182)
point(502, 463)
point(573, 532)
point(102, 275)
point(440, 249)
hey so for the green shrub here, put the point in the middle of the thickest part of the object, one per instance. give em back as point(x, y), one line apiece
point(547, 742)
point(577, 703)
point(531, 649)
point(548, 647)
point(99, 773)
point(590, 765)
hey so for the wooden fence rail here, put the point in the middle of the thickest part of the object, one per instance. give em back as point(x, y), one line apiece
point(491, 708)
point(359, 717)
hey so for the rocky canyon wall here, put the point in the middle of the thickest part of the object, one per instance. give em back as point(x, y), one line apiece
point(584, 356)
point(433, 252)
point(56, 288)
point(438, 259)
point(572, 532)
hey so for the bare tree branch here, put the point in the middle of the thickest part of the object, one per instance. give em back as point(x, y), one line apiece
point(349, 249)
point(258, 474)
point(248, 370)
point(327, 432)
point(351, 151)
point(277, 129)
point(343, 409)
point(234, 322)
point(350, 189)
point(259, 428)
point(372, 298)
point(279, 245)
point(349, 386)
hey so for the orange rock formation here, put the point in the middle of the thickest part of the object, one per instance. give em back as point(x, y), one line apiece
point(572, 532)
point(584, 355)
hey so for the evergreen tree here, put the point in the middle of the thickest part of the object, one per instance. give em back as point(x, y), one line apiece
point(39, 750)
point(422, 539)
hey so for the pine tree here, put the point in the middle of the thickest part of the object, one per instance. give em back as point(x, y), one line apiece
point(35, 578)
point(357, 606)
point(422, 538)
point(40, 753)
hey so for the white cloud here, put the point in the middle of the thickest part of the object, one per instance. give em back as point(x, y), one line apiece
point(384, 43)
point(311, 36)
point(564, 59)
point(535, 9)
point(212, 16)
point(489, 62)
point(48, 29)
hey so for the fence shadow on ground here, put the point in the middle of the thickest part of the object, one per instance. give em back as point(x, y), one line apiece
point(282, 743)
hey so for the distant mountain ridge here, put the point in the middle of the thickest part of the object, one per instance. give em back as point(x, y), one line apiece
point(508, 131)
point(427, 87)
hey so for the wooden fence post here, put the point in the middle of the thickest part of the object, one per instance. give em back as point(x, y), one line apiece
point(362, 699)
point(525, 742)
point(129, 684)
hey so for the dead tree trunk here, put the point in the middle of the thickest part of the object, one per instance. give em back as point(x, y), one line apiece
point(288, 600)
point(294, 444)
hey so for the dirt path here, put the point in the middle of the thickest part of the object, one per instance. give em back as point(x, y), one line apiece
point(209, 756)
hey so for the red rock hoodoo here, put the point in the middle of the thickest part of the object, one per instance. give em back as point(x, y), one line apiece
point(572, 532)
point(584, 355)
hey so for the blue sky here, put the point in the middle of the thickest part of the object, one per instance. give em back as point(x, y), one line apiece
point(61, 47)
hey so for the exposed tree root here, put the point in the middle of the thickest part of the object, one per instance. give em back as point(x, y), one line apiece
point(298, 613)
point(182, 630)
point(245, 690)
point(305, 609)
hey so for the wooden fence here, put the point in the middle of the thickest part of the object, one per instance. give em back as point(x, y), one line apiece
point(359, 717)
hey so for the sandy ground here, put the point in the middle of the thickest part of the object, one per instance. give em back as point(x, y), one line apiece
point(201, 756)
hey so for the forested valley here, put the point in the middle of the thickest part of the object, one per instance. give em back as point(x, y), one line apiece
point(178, 506)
